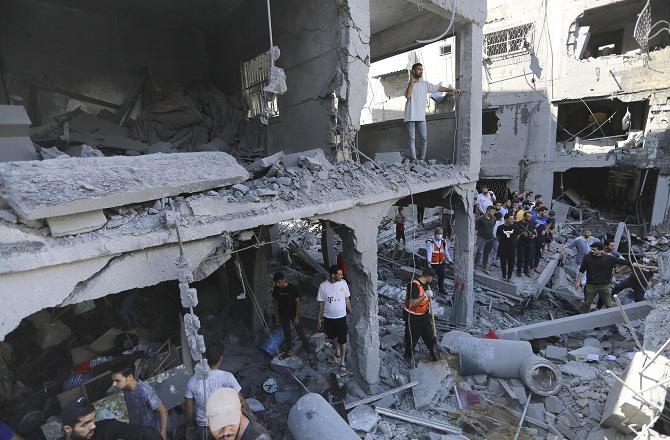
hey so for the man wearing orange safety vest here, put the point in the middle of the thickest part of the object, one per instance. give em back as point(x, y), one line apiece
point(437, 254)
point(416, 311)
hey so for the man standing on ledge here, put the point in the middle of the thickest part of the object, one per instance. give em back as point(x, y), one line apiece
point(415, 109)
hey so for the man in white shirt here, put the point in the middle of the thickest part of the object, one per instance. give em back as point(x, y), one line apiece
point(198, 391)
point(415, 109)
point(334, 303)
point(485, 199)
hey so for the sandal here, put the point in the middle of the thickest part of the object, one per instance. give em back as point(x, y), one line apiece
point(343, 370)
point(333, 360)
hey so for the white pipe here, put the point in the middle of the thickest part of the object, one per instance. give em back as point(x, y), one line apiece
point(446, 31)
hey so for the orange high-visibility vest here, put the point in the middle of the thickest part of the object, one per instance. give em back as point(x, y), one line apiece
point(420, 309)
point(439, 253)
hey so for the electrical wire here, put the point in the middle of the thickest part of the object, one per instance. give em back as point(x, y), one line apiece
point(446, 31)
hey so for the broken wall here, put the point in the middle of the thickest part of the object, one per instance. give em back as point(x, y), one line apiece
point(525, 89)
point(90, 53)
point(325, 54)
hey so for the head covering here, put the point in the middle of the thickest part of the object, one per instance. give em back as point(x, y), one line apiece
point(223, 408)
point(75, 410)
point(428, 272)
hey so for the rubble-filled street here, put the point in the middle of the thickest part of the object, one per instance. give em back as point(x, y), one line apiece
point(334, 220)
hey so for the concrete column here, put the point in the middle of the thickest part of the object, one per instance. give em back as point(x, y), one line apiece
point(359, 242)
point(328, 244)
point(660, 213)
point(464, 230)
point(469, 104)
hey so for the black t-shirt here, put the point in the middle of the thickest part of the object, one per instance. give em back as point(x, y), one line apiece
point(485, 227)
point(599, 268)
point(507, 235)
point(286, 298)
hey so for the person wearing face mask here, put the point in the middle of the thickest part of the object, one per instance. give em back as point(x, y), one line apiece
point(437, 254)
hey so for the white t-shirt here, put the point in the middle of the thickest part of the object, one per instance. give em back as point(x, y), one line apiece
point(333, 295)
point(216, 379)
point(415, 107)
point(484, 201)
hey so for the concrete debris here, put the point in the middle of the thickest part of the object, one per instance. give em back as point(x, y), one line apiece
point(585, 353)
point(579, 370)
point(76, 223)
point(389, 157)
point(49, 189)
point(556, 354)
point(287, 365)
point(363, 418)
point(553, 404)
point(262, 165)
point(92, 130)
point(8, 216)
point(585, 321)
point(641, 400)
point(312, 417)
point(429, 377)
point(89, 151)
point(52, 153)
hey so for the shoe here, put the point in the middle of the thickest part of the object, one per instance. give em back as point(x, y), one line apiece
point(527, 274)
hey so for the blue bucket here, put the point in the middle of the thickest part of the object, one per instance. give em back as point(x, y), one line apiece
point(273, 343)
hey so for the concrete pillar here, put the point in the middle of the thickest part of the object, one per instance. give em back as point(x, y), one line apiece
point(254, 263)
point(359, 243)
point(469, 105)
point(660, 212)
point(464, 250)
point(328, 244)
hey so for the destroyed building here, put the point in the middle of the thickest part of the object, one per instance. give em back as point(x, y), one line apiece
point(575, 100)
point(160, 160)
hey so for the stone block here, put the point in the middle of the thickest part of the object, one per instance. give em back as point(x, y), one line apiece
point(592, 342)
point(363, 418)
point(429, 375)
point(553, 404)
point(261, 165)
point(585, 353)
point(76, 223)
point(579, 370)
point(556, 354)
point(536, 411)
point(391, 340)
point(313, 159)
point(54, 188)
point(622, 408)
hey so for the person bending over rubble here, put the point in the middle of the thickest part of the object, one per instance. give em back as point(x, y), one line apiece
point(197, 391)
point(144, 406)
point(415, 109)
point(229, 421)
point(79, 423)
point(334, 303)
point(288, 314)
point(417, 314)
point(598, 266)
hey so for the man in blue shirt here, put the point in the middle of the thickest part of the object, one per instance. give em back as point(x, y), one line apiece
point(582, 244)
point(541, 220)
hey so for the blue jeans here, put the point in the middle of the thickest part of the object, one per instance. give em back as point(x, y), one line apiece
point(411, 138)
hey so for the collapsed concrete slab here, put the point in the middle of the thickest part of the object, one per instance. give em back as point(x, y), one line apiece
point(76, 223)
point(639, 402)
point(571, 324)
point(429, 375)
point(45, 189)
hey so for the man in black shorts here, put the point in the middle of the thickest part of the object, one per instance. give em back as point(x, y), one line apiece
point(334, 303)
point(288, 314)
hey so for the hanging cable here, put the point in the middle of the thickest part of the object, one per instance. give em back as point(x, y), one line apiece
point(446, 31)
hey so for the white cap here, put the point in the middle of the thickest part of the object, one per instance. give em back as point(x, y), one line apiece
point(223, 409)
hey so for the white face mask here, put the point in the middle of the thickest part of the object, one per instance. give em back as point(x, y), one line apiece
point(438, 236)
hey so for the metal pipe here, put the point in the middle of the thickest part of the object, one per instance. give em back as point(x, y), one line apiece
point(523, 416)
point(440, 426)
point(658, 353)
point(629, 324)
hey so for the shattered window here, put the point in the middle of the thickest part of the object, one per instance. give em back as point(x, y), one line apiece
point(255, 76)
point(507, 41)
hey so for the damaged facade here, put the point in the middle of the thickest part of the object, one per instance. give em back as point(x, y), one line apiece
point(150, 186)
point(558, 81)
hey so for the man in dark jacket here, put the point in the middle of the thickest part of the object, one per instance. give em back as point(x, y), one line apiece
point(598, 266)
point(79, 424)
point(525, 232)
